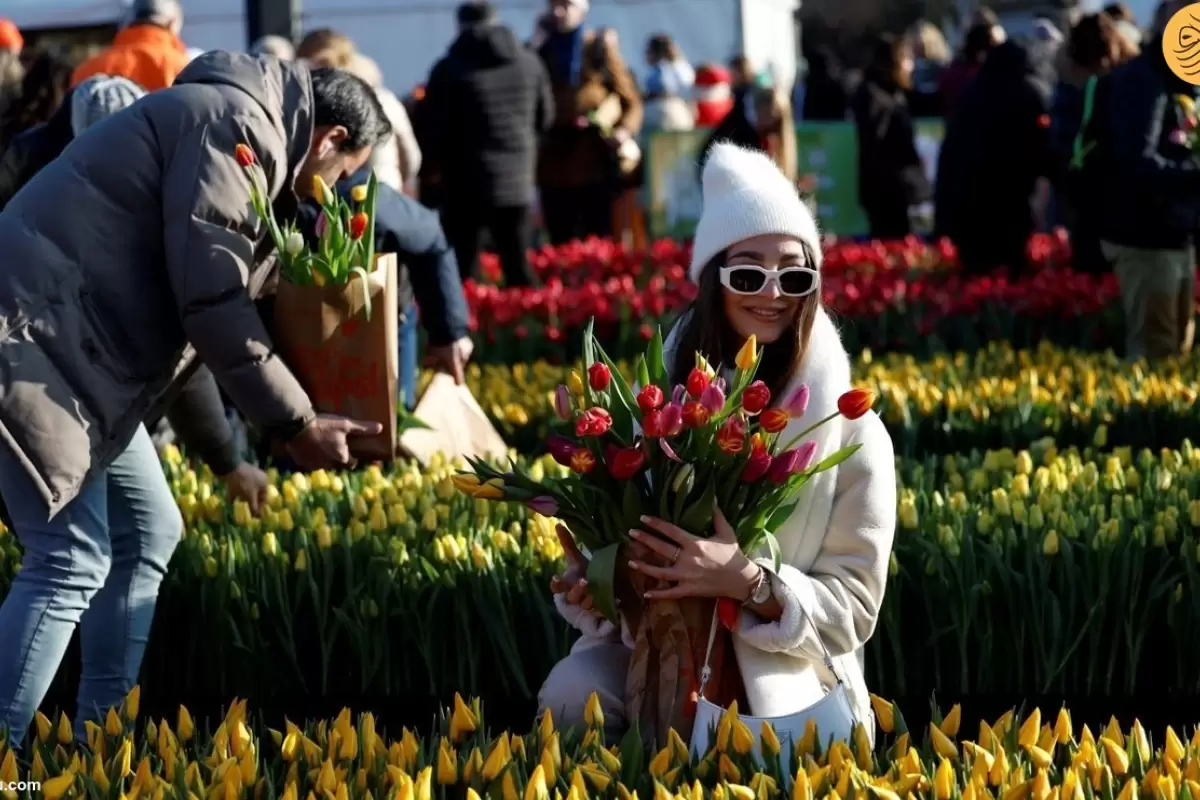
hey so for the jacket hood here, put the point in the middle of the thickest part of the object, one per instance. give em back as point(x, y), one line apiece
point(282, 89)
point(486, 45)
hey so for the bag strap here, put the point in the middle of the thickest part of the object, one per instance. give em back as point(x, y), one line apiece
point(706, 670)
point(1080, 149)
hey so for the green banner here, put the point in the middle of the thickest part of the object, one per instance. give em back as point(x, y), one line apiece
point(826, 150)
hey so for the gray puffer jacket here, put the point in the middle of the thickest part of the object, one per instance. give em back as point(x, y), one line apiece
point(138, 241)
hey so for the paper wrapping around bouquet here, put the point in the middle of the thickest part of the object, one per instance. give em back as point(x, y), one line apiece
point(457, 425)
point(348, 363)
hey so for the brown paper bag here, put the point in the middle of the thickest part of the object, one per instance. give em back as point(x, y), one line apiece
point(457, 425)
point(348, 364)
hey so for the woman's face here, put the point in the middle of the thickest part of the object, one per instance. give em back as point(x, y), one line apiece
point(767, 314)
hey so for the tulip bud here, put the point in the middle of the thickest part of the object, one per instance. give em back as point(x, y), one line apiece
point(294, 243)
point(358, 225)
point(756, 466)
point(359, 193)
point(855, 403)
point(672, 419)
point(677, 394)
point(695, 415)
point(713, 399)
point(244, 155)
point(322, 225)
point(562, 402)
point(783, 466)
point(805, 455)
point(561, 449)
point(747, 355)
point(797, 404)
point(545, 505)
point(756, 397)
point(320, 191)
point(575, 383)
point(774, 420)
point(599, 376)
point(697, 382)
point(649, 398)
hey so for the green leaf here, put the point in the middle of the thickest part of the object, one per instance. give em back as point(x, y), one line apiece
point(631, 504)
point(589, 357)
point(624, 394)
point(836, 458)
point(780, 516)
point(654, 360)
point(697, 519)
point(633, 756)
point(773, 546)
point(642, 372)
point(601, 575)
point(366, 288)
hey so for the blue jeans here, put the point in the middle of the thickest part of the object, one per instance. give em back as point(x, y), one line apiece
point(409, 366)
point(97, 564)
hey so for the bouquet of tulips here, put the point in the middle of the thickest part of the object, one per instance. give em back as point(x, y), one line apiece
point(675, 452)
point(345, 232)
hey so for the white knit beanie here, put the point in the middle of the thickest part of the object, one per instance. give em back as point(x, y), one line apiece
point(100, 96)
point(746, 195)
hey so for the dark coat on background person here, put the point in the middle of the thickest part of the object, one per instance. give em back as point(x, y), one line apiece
point(584, 75)
point(33, 149)
point(1153, 198)
point(953, 82)
point(486, 103)
point(995, 148)
point(1078, 195)
point(924, 98)
point(891, 177)
point(825, 95)
point(134, 244)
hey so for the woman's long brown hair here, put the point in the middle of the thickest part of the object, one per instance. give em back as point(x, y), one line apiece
point(705, 329)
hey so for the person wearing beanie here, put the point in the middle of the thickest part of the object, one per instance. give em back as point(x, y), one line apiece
point(756, 263)
point(10, 37)
point(147, 50)
point(274, 45)
point(713, 93)
point(100, 96)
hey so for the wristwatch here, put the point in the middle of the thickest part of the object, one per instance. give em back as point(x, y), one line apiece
point(761, 592)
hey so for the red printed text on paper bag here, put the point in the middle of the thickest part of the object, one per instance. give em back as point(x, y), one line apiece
point(348, 363)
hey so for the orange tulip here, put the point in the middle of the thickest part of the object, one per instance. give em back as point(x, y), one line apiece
point(358, 224)
point(856, 402)
point(244, 155)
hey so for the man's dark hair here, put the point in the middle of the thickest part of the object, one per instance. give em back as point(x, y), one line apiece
point(340, 98)
point(476, 12)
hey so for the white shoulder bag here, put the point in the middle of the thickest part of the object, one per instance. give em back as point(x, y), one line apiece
point(832, 714)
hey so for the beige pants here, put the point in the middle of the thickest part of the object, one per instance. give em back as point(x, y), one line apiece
point(593, 665)
point(1158, 295)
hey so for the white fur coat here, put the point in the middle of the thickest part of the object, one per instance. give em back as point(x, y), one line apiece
point(835, 550)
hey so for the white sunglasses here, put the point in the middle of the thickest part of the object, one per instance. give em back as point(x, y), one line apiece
point(753, 279)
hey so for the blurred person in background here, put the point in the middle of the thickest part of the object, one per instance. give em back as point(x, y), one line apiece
point(993, 162)
point(1045, 46)
point(273, 45)
point(398, 161)
point(761, 121)
point(713, 93)
point(12, 69)
point(931, 56)
point(891, 177)
point(1126, 23)
point(1095, 46)
point(1151, 203)
point(486, 103)
point(983, 35)
point(597, 117)
point(44, 86)
point(825, 95)
point(669, 85)
point(147, 50)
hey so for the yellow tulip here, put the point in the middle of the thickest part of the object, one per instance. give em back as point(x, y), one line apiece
point(1062, 727)
point(447, 764)
point(801, 788)
point(1173, 749)
point(463, 720)
point(320, 190)
point(1137, 738)
point(941, 743)
point(1115, 755)
point(508, 787)
point(952, 721)
point(747, 355)
point(423, 786)
point(770, 741)
point(943, 780)
point(743, 739)
point(133, 702)
point(270, 545)
point(63, 733)
point(593, 714)
point(55, 788)
point(575, 383)
point(536, 789)
point(1027, 736)
point(728, 770)
point(661, 763)
point(497, 759)
point(43, 725)
point(123, 760)
point(300, 564)
point(359, 193)
point(885, 713)
point(8, 768)
point(1040, 758)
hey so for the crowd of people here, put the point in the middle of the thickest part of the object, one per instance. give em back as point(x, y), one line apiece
point(1089, 131)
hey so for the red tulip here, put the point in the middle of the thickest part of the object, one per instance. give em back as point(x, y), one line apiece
point(773, 420)
point(756, 397)
point(756, 466)
point(599, 376)
point(856, 402)
point(244, 155)
point(650, 398)
point(358, 224)
point(593, 422)
point(652, 425)
point(625, 462)
point(582, 461)
point(697, 382)
point(695, 415)
point(731, 437)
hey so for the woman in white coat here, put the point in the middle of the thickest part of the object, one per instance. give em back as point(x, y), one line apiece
point(756, 260)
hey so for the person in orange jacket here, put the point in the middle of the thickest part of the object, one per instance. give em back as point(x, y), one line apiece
point(147, 51)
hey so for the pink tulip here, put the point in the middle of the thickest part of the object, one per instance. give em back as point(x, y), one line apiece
point(712, 398)
point(322, 225)
point(807, 453)
point(672, 419)
point(562, 403)
point(797, 404)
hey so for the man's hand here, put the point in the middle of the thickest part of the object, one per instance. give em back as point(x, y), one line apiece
point(323, 444)
point(452, 358)
point(249, 483)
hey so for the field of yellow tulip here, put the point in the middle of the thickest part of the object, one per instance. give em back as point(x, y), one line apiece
point(350, 757)
point(994, 397)
point(1015, 573)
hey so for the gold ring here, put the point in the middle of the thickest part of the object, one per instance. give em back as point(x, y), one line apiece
point(675, 557)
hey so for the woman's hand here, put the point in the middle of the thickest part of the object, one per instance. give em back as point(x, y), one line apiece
point(572, 584)
point(697, 567)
